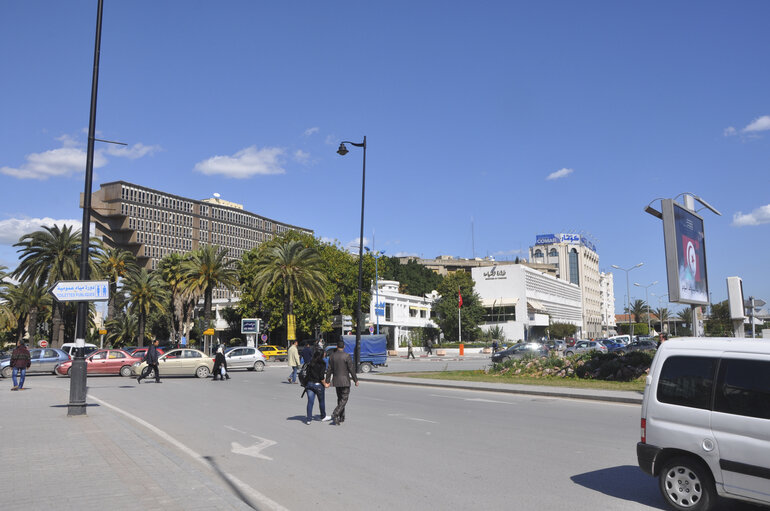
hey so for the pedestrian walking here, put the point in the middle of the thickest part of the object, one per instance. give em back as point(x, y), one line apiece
point(20, 362)
point(410, 351)
point(293, 361)
point(338, 374)
point(494, 346)
point(314, 387)
point(151, 357)
point(429, 346)
point(220, 365)
point(307, 352)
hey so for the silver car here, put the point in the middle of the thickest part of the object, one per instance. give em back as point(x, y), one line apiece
point(245, 357)
point(42, 360)
point(584, 347)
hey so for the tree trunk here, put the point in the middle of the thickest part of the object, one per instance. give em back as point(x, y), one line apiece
point(56, 324)
point(113, 299)
point(141, 329)
point(33, 324)
point(206, 314)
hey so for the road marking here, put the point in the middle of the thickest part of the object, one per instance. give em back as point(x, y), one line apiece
point(402, 416)
point(261, 499)
point(478, 399)
point(253, 450)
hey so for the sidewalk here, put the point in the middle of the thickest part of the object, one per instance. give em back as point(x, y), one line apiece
point(94, 462)
point(615, 396)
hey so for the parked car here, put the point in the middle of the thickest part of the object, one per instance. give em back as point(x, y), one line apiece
point(274, 352)
point(245, 357)
point(141, 352)
point(705, 422)
point(69, 348)
point(103, 362)
point(520, 350)
point(180, 362)
point(612, 346)
point(556, 345)
point(585, 346)
point(42, 360)
point(638, 346)
point(622, 339)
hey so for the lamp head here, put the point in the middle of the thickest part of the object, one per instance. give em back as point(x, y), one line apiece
point(342, 151)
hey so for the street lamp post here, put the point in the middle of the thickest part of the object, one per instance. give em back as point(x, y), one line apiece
point(342, 151)
point(628, 293)
point(646, 299)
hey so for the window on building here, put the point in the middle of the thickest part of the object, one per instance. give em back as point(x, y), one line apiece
point(574, 271)
point(538, 253)
point(553, 253)
point(499, 314)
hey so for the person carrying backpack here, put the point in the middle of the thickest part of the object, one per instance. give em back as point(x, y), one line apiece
point(313, 374)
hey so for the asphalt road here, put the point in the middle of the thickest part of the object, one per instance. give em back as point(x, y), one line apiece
point(401, 447)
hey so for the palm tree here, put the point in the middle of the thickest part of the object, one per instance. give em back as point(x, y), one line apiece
point(207, 268)
point(685, 316)
point(638, 309)
point(170, 268)
point(28, 300)
point(48, 256)
point(115, 264)
point(7, 316)
point(146, 291)
point(298, 270)
point(663, 315)
point(122, 330)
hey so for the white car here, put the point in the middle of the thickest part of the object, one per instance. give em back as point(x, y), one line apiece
point(584, 347)
point(705, 426)
point(245, 357)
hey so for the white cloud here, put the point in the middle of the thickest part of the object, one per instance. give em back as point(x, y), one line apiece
point(12, 229)
point(312, 131)
point(759, 216)
point(730, 131)
point(759, 124)
point(133, 152)
point(406, 254)
point(331, 140)
point(245, 163)
point(64, 161)
point(353, 246)
point(559, 174)
point(301, 156)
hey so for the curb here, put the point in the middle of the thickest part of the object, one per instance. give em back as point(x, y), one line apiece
point(627, 397)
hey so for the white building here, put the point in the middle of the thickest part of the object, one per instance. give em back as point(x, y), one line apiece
point(577, 262)
point(607, 292)
point(524, 302)
point(399, 315)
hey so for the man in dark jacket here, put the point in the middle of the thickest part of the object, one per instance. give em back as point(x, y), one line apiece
point(338, 374)
point(151, 357)
point(20, 362)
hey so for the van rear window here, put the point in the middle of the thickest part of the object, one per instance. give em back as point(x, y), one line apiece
point(744, 388)
point(687, 381)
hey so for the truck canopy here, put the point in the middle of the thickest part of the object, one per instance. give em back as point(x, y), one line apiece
point(374, 348)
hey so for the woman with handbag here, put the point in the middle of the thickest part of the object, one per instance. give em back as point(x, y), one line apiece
point(220, 365)
point(314, 387)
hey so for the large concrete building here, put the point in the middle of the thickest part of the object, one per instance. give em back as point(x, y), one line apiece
point(577, 262)
point(524, 301)
point(607, 291)
point(399, 315)
point(152, 224)
point(445, 265)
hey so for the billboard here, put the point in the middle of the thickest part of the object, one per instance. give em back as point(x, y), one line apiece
point(685, 254)
point(249, 325)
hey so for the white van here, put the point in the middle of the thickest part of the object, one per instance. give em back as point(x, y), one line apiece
point(622, 339)
point(69, 348)
point(706, 421)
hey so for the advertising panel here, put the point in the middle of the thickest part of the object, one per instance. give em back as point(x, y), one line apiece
point(546, 239)
point(685, 254)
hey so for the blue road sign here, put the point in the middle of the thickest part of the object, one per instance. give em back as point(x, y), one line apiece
point(81, 291)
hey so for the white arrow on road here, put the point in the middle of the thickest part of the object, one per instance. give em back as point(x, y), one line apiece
point(253, 450)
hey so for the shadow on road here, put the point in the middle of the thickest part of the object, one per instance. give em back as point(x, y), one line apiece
point(229, 483)
point(626, 482)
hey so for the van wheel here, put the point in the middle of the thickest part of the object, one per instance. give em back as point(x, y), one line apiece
point(687, 485)
point(365, 367)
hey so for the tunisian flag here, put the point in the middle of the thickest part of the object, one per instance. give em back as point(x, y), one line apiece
point(459, 298)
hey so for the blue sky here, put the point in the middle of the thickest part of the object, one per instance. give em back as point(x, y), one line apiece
point(518, 118)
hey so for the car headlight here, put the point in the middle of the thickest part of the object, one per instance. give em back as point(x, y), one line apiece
point(137, 364)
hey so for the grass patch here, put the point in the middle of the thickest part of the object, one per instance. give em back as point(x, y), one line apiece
point(482, 376)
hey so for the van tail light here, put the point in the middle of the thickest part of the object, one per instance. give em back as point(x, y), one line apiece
point(644, 430)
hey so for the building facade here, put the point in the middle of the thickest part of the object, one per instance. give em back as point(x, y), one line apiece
point(577, 262)
point(399, 316)
point(524, 302)
point(607, 291)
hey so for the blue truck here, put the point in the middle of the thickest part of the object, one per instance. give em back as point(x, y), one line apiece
point(374, 351)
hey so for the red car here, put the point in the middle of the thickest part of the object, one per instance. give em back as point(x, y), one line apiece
point(104, 362)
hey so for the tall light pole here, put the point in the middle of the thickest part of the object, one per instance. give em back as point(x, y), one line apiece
point(342, 151)
point(646, 299)
point(628, 293)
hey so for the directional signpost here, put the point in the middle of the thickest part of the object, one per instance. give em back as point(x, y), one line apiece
point(751, 305)
point(81, 291)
